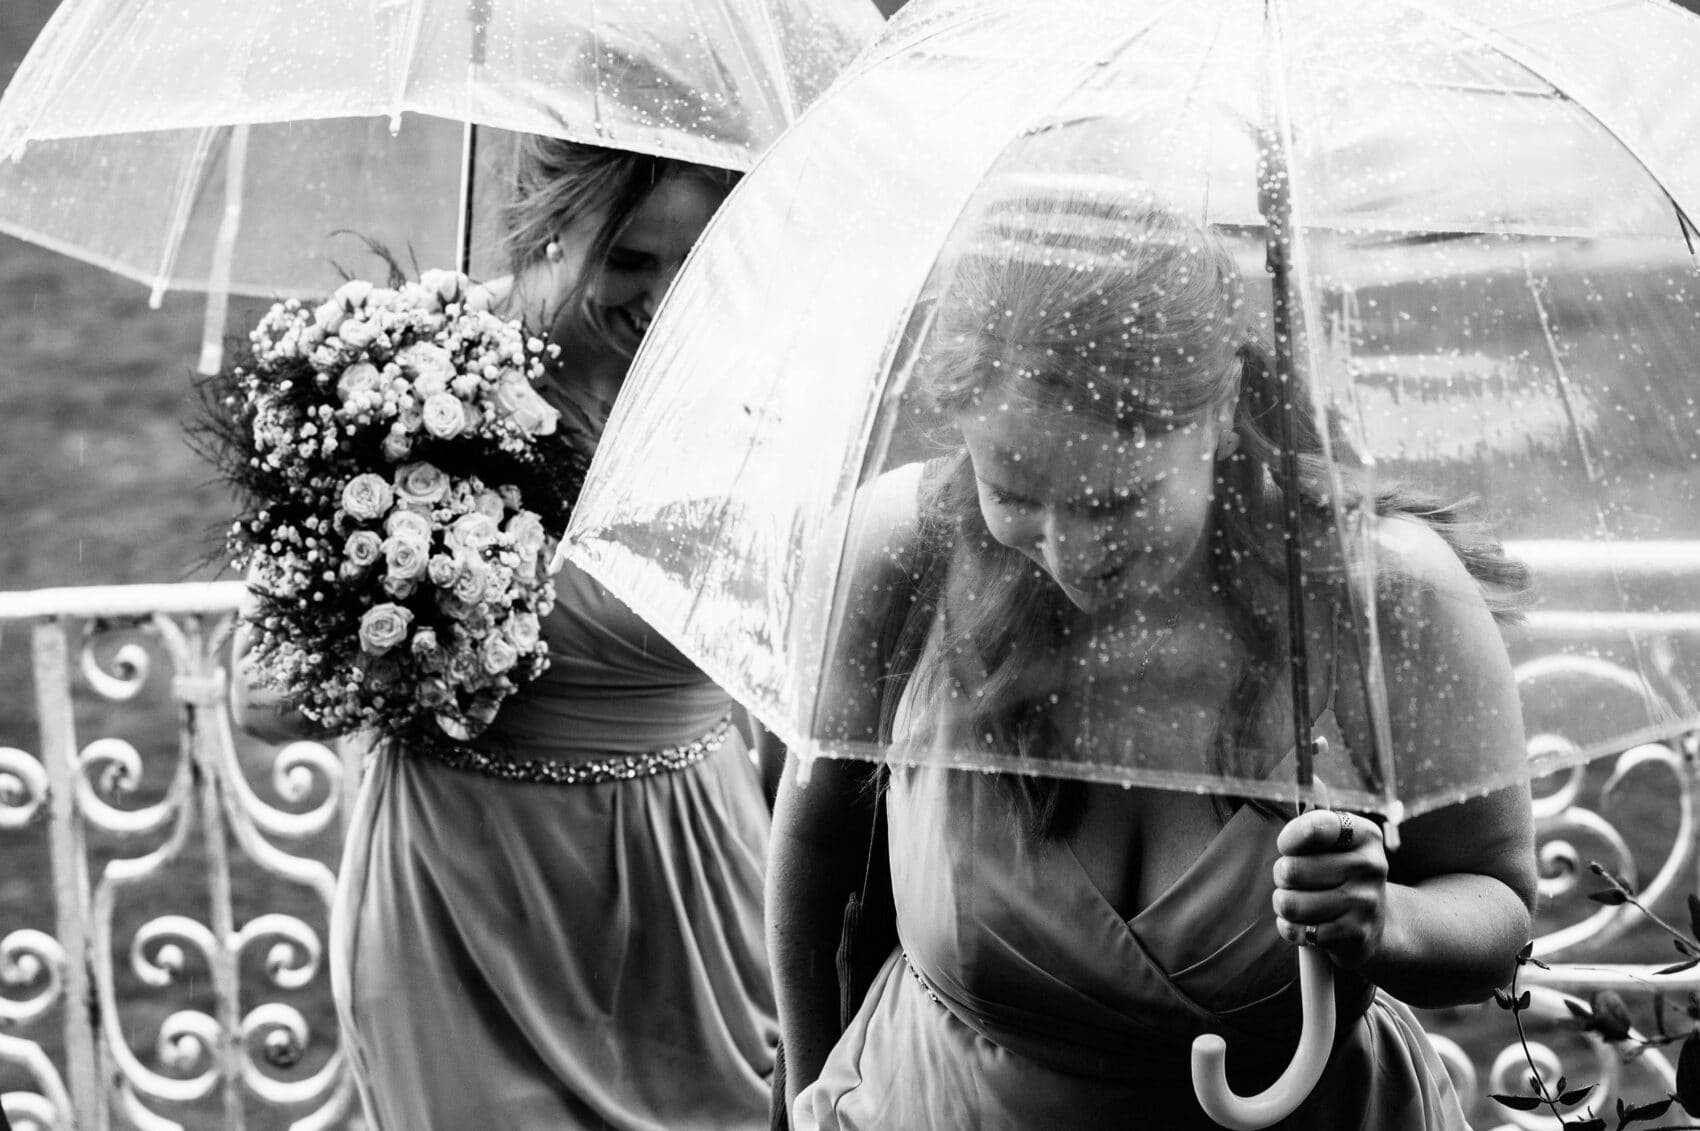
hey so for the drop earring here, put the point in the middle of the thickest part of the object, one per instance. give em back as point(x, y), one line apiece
point(552, 251)
point(1227, 444)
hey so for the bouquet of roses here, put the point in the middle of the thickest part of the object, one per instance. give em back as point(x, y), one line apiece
point(398, 472)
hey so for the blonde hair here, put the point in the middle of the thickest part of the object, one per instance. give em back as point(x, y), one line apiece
point(559, 184)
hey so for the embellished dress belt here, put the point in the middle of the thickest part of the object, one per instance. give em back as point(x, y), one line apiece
point(591, 771)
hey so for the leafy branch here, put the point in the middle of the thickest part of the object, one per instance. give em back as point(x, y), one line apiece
point(1607, 1016)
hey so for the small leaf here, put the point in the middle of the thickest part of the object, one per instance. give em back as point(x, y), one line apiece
point(1611, 897)
point(1611, 1016)
point(1679, 967)
point(1586, 1125)
point(1529, 947)
point(1517, 1103)
point(1688, 1075)
point(1574, 1095)
point(1579, 1010)
point(1694, 914)
point(1523, 1000)
point(1683, 946)
point(1644, 1111)
point(1502, 999)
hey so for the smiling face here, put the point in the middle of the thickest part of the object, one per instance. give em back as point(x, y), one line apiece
point(645, 255)
point(1110, 517)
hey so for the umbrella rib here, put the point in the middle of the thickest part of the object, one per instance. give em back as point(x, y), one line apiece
point(412, 29)
point(1493, 41)
point(188, 188)
point(782, 83)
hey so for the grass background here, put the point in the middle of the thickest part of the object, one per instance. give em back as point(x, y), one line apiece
point(97, 486)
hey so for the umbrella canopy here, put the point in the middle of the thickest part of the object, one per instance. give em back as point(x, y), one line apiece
point(1484, 209)
point(188, 145)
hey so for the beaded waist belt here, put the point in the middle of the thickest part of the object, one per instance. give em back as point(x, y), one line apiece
point(591, 771)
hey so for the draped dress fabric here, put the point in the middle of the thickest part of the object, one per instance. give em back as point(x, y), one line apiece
point(1021, 999)
point(535, 955)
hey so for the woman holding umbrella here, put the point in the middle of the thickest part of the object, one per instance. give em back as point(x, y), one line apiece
point(1095, 573)
point(560, 926)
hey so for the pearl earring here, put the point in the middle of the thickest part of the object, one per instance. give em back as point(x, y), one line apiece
point(552, 251)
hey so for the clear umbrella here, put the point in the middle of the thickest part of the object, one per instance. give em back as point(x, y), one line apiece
point(1479, 219)
point(205, 146)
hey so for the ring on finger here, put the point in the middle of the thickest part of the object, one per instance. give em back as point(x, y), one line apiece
point(1347, 833)
point(1310, 935)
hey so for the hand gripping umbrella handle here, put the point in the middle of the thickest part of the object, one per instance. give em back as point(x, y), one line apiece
point(1316, 1041)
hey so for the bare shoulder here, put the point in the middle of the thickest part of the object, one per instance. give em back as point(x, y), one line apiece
point(885, 518)
point(1420, 573)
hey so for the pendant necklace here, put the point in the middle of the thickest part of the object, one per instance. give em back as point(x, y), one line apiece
point(1157, 639)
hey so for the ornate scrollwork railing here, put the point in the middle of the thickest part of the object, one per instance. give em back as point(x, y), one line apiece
point(1632, 810)
point(151, 864)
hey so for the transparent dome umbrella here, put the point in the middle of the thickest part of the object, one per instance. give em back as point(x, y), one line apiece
point(1476, 216)
point(211, 146)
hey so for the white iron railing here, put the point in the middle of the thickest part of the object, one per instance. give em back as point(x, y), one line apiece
point(79, 1050)
point(232, 1062)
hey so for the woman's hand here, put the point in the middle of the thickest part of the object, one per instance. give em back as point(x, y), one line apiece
point(1331, 885)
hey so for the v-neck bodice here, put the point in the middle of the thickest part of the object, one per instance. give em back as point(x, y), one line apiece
point(1011, 931)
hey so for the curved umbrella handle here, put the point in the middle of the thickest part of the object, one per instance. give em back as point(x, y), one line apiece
point(1316, 1041)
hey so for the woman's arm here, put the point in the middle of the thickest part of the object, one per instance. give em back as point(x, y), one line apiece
point(1441, 922)
point(823, 831)
point(818, 853)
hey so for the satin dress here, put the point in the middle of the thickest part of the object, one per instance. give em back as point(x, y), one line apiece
point(1021, 999)
point(521, 955)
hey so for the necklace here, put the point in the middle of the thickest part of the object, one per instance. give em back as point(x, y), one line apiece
point(1157, 639)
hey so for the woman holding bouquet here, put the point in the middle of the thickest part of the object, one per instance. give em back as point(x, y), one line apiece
point(557, 923)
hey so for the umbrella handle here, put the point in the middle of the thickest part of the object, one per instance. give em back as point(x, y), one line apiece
point(1316, 1041)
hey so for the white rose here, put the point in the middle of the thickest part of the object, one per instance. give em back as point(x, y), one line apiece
point(405, 557)
point(352, 294)
point(366, 496)
point(422, 358)
point(445, 416)
point(383, 627)
point(472, 532)
point(444, 286)
point(431, 384)
point(357, 333)
point(489, 504)
point(470, 585)
point(408, 524)
point(397, 446)
point(498, 655)
point(479, 297)
point(421, 484)
point(526, 529)
point(362, 548)
point(520, 403)
point(525, 630)
point(442, 570)
point(357, 380)
point(328, 317)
